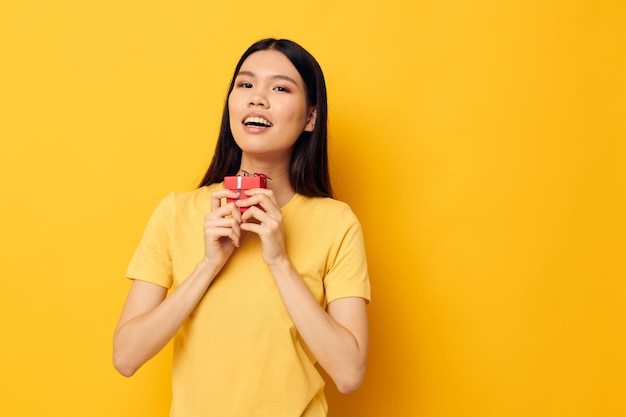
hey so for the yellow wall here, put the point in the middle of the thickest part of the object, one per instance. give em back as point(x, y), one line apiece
point(481, 143)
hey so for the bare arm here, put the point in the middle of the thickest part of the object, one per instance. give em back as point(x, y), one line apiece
point(150, 318)
point(338, 336)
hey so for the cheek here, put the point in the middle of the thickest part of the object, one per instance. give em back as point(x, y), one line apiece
point(297, 114)
point(231, 114)
point(230, 103)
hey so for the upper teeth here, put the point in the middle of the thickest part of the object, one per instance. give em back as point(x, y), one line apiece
point(257, 120)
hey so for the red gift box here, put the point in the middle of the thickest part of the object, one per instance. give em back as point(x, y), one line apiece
point(241, 183)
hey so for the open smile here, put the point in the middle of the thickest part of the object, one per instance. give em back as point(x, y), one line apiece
point(255, 121)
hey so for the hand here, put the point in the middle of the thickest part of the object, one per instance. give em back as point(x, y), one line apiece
point(221, 229)
point(266, 220)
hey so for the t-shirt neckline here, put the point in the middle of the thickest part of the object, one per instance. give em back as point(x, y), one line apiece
point(291, 204)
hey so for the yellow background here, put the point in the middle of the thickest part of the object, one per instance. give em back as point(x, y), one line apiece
point(481, 143)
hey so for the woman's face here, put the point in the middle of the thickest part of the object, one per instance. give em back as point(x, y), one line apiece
point(268, 107)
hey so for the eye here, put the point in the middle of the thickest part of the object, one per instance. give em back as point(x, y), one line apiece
point(245, 85)
point(281, 88)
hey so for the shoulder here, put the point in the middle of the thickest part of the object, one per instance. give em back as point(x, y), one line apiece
point(323, 213)
point(185, 203)
point(198, 197)
point(327, 206)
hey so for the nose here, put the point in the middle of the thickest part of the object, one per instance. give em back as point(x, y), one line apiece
point(258, 98)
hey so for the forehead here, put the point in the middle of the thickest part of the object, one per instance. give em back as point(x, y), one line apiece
point(270, 63)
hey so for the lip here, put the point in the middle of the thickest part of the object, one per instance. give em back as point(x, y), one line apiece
point(256, 114)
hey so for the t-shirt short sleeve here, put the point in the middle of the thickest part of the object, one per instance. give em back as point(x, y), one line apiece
point(347, 274)
point(152, 260)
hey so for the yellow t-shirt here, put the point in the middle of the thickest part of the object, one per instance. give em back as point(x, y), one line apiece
point(239, 353)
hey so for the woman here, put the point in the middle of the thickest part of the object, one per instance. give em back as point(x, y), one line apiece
point(261, 294)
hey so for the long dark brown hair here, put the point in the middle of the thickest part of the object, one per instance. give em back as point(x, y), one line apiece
point(308, 171)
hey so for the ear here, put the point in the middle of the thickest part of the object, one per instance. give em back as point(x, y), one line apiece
point(310, 121)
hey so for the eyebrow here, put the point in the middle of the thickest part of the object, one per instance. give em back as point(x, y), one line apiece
point(274, 77)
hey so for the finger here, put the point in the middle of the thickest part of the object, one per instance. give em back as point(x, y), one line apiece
point(221, 223)
point(234, 237)
point(262, 192)
point(265, 201)
point(270, 234)
point(217, 196)
point(252, 227)
point(256, 221)
point(228, 209)
point(214, 235)
point(226, 228)
point(255, 215)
